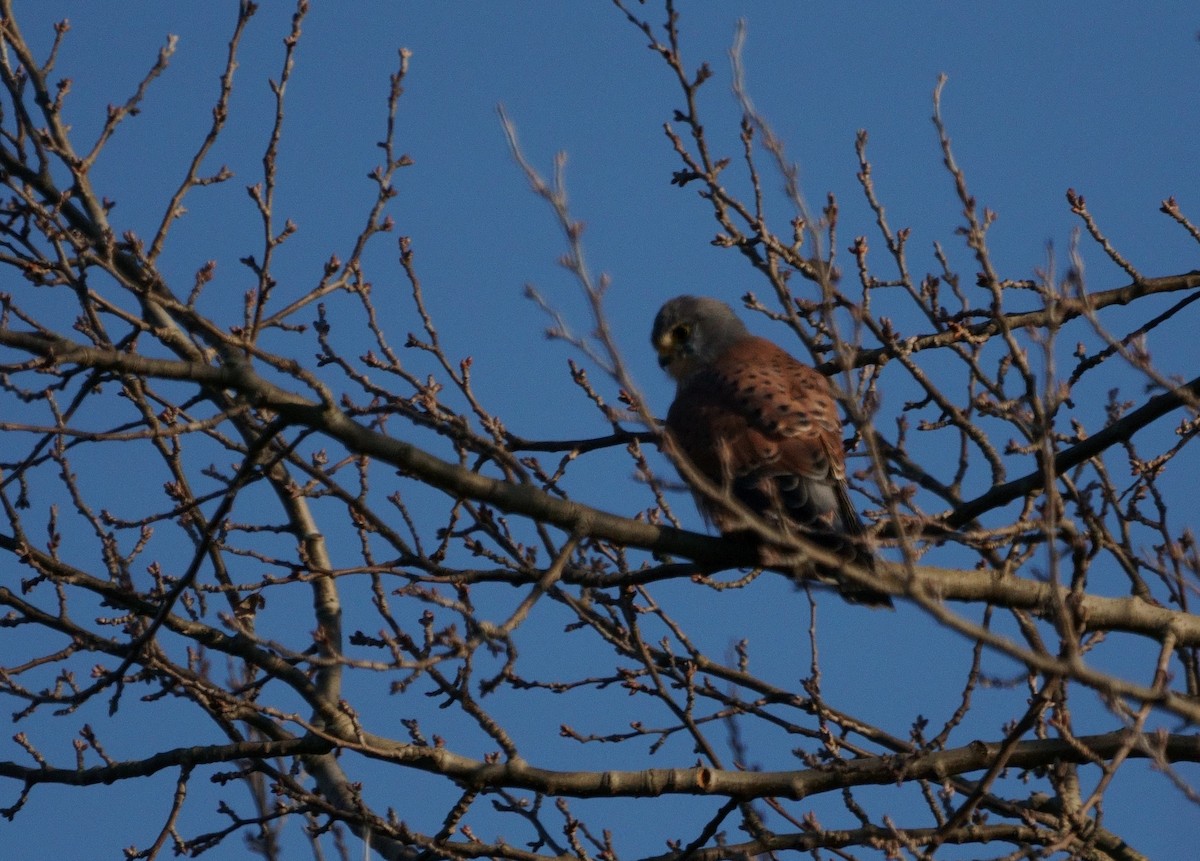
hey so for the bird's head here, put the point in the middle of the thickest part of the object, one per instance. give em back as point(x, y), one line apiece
point(691, 331)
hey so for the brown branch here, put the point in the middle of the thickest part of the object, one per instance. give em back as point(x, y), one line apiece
point(174, 758)
point(709, 552)
point(747, 785)
point(1117, 432)
point(1064, 309)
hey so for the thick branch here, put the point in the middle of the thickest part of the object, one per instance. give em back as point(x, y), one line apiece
point(1117, 432)
point(745, 785)
point(180, 756)
point(1064, 309)
point(710, 553)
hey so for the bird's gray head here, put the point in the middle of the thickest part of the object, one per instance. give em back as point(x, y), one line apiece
point(691, 331)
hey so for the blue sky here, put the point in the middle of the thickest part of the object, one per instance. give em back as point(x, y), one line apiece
point(1100, 97)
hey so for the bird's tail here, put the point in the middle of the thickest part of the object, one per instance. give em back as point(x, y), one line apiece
point(852, 539)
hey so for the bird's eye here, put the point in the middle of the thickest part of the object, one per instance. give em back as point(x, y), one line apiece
point(680, 333)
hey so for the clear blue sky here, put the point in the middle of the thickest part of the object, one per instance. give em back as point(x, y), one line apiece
point(1100, 96)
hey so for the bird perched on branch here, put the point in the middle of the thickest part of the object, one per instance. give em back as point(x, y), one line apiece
point(762, 428)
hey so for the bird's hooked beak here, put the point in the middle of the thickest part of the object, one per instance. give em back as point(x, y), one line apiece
point(667, 349)
point(664, 354)
point(672, 340)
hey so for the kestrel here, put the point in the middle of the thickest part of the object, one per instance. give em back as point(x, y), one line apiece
point(760, 426)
